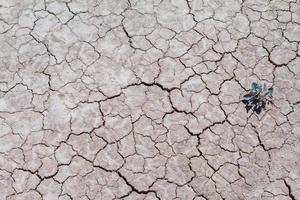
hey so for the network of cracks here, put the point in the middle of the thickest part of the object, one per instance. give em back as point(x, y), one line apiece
point(142, 99)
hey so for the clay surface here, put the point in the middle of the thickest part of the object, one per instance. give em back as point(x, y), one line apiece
point(141, 99)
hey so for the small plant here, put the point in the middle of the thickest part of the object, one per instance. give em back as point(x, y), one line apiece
point(258, 97)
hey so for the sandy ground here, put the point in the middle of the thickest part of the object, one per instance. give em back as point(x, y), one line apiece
point(141, 99)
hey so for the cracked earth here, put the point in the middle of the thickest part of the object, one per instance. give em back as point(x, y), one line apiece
point(141, 99)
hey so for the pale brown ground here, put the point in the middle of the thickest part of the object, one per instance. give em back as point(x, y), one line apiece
point(141, 99)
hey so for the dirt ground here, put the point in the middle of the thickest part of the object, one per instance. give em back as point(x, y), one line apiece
point(141, 99)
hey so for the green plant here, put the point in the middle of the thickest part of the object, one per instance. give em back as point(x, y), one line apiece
point(258, 97)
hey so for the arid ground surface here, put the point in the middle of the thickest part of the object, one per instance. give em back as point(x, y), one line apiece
point(141, 99)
